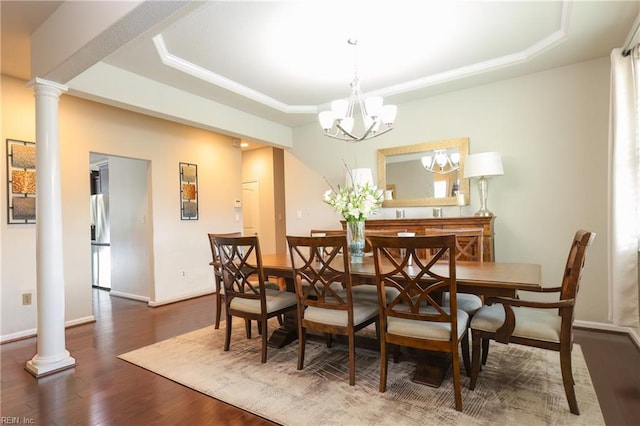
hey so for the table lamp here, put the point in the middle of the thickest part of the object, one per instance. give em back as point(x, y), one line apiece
point(358, 177)
point(481, 166)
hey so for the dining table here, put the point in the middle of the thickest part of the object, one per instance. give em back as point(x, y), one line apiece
point(481, 278)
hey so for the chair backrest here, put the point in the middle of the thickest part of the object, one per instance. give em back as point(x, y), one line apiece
point(242, 272)
point(469, 242)
point(384, 232)
point(321, 273)
point(421, 285)
point(575, 264)
point(328, 232)
point(215, 257)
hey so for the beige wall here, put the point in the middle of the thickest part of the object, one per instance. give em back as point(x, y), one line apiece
point(551, 129)
point(177, 245)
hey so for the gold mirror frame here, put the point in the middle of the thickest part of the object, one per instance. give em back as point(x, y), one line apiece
point(462, 144)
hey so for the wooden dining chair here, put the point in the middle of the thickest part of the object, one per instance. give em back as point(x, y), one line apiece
point(546, 325)
point(217, 273)
point(246, 293)
point(469, 242)
point(416, 317)
point(322, 278)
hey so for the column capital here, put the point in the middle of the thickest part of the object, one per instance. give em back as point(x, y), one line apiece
point(40, 83)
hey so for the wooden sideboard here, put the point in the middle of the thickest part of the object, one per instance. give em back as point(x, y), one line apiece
point(418, 225)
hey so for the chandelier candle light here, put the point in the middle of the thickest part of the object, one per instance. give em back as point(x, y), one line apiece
point(355, 202)
point(481, 166)
point(338, 122)
point(441, 162)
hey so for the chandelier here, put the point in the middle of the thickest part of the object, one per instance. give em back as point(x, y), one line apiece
point(338, 122)
point(441, 162)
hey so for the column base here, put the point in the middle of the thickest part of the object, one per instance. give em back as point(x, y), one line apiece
point(39, 367)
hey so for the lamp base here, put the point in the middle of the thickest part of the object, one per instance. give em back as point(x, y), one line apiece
point(483, 213)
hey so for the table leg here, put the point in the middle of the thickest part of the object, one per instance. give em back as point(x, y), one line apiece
point(288, 331)
point(285, 334)
point(431, 368)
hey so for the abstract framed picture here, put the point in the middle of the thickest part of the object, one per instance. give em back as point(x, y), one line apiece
point(21, 182)
point(188, 191)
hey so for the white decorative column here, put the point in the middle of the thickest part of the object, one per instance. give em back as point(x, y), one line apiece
point(51, 355)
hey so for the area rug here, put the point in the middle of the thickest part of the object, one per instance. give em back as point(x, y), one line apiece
point(519, 385)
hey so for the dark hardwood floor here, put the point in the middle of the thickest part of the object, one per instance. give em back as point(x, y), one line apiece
point(103, 390)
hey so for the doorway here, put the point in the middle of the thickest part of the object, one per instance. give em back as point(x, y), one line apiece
point(127, 270)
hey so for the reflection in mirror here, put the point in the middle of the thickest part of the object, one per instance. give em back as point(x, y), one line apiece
point(441, 160)
point(425, 174)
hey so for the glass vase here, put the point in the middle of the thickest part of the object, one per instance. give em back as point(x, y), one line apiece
point(355, 240)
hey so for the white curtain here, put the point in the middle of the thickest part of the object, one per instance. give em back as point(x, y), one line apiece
point(624, 188)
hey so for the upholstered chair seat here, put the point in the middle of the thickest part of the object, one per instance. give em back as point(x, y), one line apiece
point(361, 313)
point(424, 329)
point(531, 323)
point(470, 303)
point(276, 301)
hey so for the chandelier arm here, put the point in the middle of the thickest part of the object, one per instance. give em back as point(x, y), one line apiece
point(453, 169)
point(349, 137)
point(349, 134)
point(382, 132)
point(364, 136)
point(336, 137)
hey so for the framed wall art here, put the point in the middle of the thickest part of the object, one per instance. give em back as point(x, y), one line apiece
point(188, 191)
point(21, 181)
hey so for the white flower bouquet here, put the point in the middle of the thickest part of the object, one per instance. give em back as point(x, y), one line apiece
point(356, 202)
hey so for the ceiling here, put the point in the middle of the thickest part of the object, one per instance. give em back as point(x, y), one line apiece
point(285, 61)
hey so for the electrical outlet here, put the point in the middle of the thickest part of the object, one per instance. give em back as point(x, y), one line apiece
point(26, 298)
point(184, 274)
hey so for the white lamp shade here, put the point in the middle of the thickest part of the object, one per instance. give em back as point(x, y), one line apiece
point(326, 120)
point(359, 176)
point(441, 158)
point(455, 158)
point(347, 124)
point(389, 114)
point(373, 106)
point(483, 164)
point(340, 108)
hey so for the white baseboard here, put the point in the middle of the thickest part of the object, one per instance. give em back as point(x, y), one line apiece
point(156, 303)
point(25, 334)
point(80, 321)
point(129, 296)
point(33, 332)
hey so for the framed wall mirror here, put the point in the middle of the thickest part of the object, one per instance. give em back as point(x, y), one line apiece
point(426, 174)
